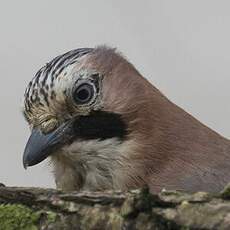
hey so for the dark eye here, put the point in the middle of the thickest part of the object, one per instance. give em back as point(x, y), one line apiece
point(83, 93)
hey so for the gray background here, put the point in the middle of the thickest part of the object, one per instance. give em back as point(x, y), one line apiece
point(183, 47)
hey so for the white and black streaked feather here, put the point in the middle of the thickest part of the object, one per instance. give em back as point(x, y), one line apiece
point(44, 79)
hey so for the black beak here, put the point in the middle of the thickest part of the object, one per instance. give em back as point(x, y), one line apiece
point(40, 146)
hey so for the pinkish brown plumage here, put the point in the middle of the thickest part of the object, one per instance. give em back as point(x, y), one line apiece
point(104, 126)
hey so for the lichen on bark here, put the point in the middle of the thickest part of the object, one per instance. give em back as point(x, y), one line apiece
point(46, 209)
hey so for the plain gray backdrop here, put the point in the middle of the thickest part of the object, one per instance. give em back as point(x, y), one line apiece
point(181, 46)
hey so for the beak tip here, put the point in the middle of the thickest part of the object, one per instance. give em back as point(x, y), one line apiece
point(25, 166)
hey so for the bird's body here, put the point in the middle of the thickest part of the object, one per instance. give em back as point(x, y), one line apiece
point(104, 126)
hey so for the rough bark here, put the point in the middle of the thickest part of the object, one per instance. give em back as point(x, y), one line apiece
point(37, 208)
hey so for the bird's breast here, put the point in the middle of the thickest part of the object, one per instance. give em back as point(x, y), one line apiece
point(92, 164)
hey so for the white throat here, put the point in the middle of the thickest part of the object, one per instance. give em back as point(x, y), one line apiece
point(92, 164)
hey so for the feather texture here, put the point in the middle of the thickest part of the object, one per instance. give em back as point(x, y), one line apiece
point(165, 147)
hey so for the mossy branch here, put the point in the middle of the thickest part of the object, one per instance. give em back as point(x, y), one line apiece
point(36, 208)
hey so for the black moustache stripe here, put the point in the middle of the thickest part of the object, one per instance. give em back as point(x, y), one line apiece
point(100, 125)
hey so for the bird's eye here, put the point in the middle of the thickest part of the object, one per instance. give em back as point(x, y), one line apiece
point(83, 93)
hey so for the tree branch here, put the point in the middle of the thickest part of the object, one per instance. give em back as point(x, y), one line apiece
point(37, 208)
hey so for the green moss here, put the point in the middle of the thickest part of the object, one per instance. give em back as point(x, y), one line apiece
point(14, 216)
point(51, 217)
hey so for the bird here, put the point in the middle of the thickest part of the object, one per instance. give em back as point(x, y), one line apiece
point(104, 126)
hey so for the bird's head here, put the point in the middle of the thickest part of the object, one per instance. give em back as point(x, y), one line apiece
point(85, 94)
